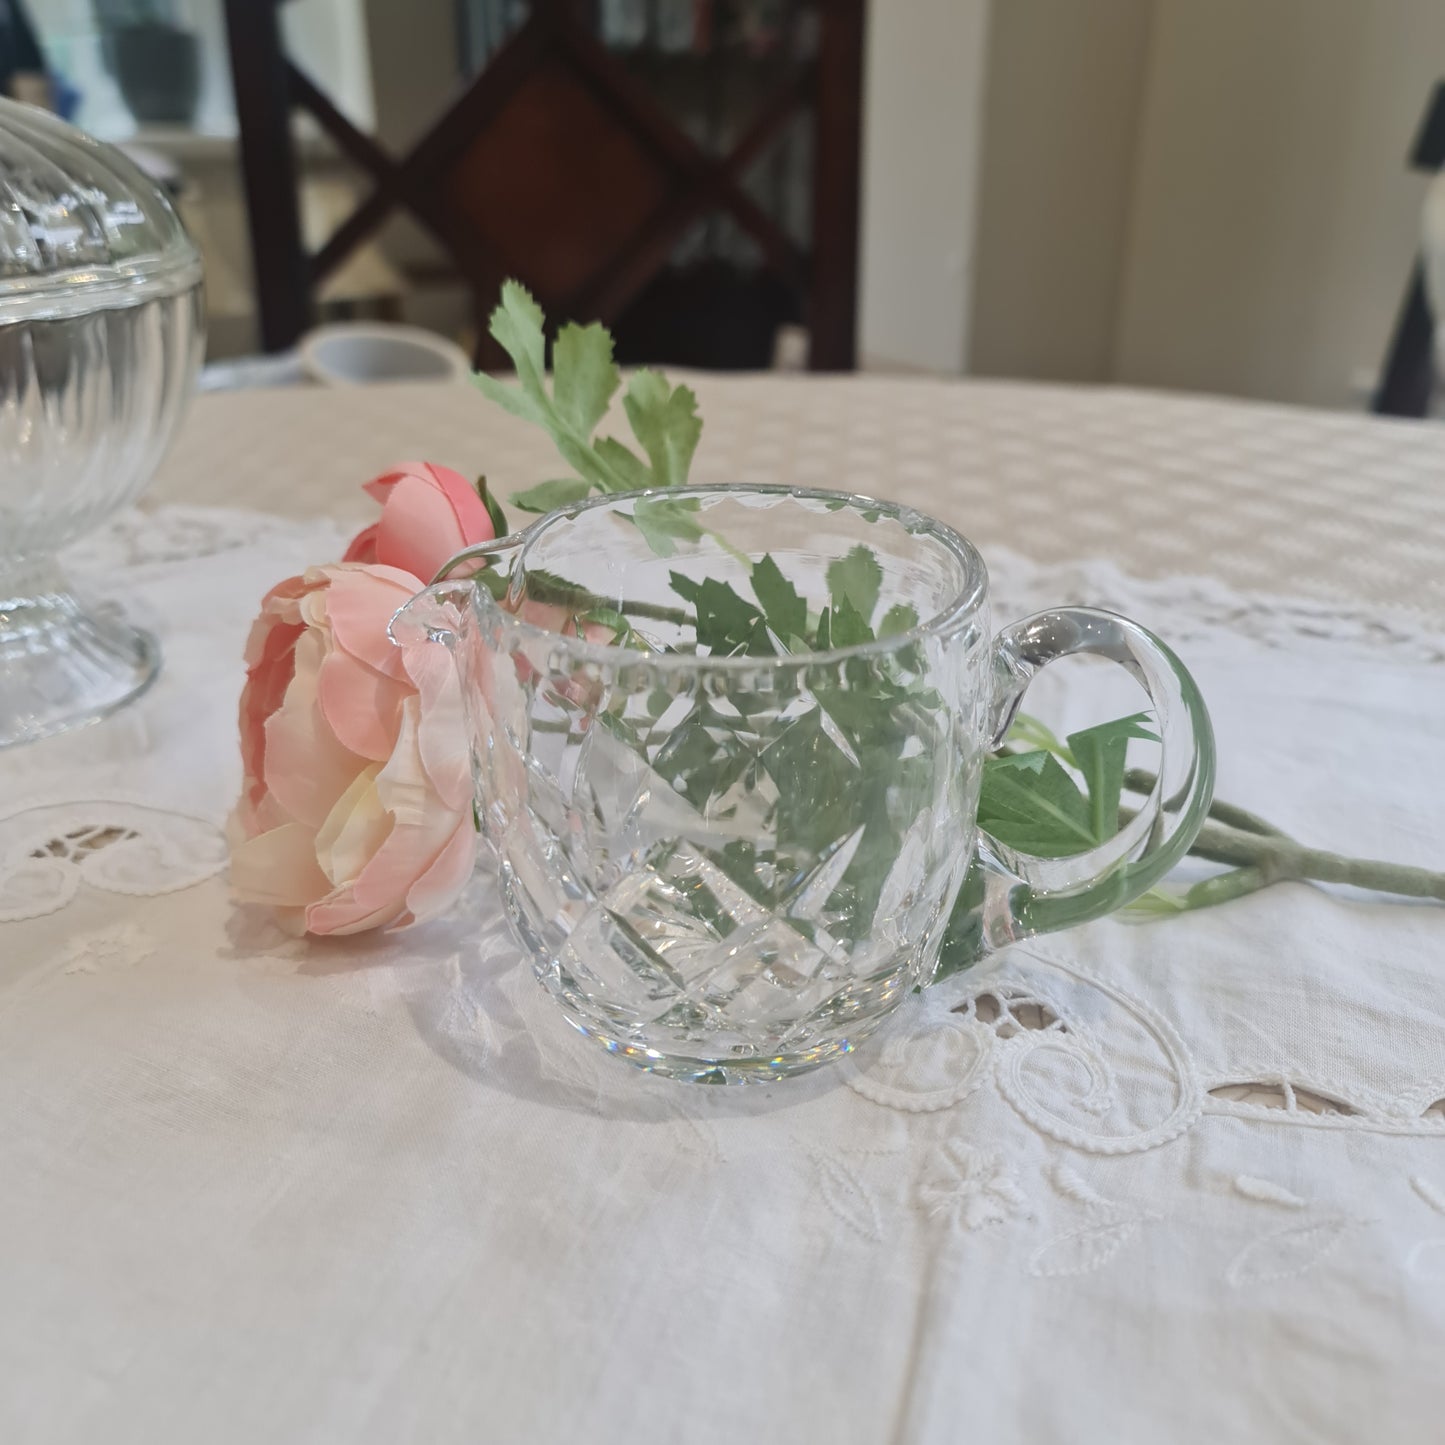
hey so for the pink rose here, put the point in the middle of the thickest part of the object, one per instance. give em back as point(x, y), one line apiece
point(428, 513)
point(356, 808)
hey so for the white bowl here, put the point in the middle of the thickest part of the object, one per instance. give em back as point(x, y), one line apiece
point(360, 353)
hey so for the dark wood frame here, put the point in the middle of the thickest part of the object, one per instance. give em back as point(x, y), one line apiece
point(1409, 377)
point(268, 85)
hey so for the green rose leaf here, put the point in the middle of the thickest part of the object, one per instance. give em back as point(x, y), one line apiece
point(584, 376)
point(856, 578)
point(786, 611)
point(1099, 753)
point(500, 526)
point(549, 495)
point(665, 421)
point(1028, 801)
point(665, 520)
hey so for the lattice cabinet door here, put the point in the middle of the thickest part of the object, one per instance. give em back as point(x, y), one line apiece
point(685, 170)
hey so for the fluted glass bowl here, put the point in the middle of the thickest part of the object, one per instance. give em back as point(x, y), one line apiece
point(100, 339)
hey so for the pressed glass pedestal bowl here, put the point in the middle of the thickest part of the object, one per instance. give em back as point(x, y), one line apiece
point(100, 339)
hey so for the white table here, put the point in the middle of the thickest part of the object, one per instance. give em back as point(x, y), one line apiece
point(1282, 499)
point(1180, 1182)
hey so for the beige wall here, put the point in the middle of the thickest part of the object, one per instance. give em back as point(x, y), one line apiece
point(922, 131)
point(1064, 87)
point(1208, 194)
point(415, 77)
point(329, 36)
point(414, 81)
point(1274, 222)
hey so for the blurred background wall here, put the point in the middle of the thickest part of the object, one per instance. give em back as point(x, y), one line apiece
point(923, 142)
point(1207, 194)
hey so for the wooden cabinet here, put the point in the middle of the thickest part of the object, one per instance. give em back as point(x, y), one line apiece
point(693, 196)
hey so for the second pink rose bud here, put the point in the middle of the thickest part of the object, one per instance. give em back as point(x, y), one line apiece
point(428, 513)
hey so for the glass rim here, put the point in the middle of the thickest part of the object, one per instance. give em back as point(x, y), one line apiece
point(965, 604)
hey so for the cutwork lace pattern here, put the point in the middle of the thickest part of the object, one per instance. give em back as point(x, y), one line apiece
point(1089, 1070)
point(50, 850)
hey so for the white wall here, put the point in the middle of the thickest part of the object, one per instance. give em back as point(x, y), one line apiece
point(326, 36)
point(1064, 89)
point(923, 97)
point(329, 37)
point(1207, 194)
point(417, 70)
point(1274, 222)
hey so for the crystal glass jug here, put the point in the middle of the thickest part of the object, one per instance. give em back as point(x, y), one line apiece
point(731, 854)
point(100, 339)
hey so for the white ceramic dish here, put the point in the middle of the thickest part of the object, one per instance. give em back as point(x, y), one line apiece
point(360, 353)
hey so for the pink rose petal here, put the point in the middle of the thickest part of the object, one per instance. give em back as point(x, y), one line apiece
point(363, 545)
point(340, 914)
point(307, 768)
point(428, 513)
point(266, 684)
point(360, 705)
point(474, 522)
point(443, 737)
point(438, 888)
point(418, 529)
point(359, 603)
point(279, 868)
point(380, 487)
point(423, 826)
point(356, 802)
point(354, 830)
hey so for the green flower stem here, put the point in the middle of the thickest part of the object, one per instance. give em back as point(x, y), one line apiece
point(552, 591)
point(1282, 860)
point(1224, 888)
point(736, 553)
point(1260, 854)
point(578, 600)
point(1137, 780)
point(1233, 816)
point(1257, 860)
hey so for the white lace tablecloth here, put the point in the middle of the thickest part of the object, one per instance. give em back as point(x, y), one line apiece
point(1181, 1181)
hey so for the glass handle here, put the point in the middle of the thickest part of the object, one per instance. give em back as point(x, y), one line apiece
point(482, 554)
point(435, 614)
point(1025, 894)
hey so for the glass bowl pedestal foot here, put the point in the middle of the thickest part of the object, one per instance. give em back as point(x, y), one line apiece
point(63, 663)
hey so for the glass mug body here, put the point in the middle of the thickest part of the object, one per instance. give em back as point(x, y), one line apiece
point(735, 867)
